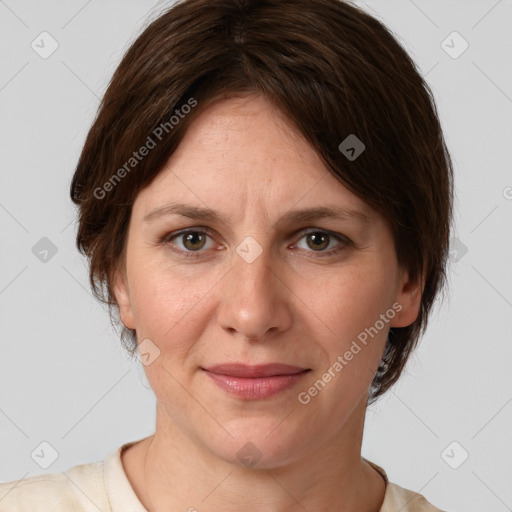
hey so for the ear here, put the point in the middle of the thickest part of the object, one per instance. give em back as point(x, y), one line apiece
point(123, 299)
point(408, 295)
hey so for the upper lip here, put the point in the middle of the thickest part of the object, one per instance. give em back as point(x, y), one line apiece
point(262, 370)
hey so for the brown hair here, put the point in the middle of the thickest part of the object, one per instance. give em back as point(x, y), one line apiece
point(333, 70)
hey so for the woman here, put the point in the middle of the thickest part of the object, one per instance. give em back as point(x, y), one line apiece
point(265, 199)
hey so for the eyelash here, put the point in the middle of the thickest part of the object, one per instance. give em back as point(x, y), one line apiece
point(167, 239)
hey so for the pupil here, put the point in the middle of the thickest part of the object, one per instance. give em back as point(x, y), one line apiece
point(321, 238)
point(189, 239)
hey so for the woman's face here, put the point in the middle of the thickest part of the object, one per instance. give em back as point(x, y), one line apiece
point(258, 281)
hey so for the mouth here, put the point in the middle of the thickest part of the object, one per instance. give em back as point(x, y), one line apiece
point(255, 382)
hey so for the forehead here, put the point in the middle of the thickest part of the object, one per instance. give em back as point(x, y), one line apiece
point(243, 152)
point(250, 127)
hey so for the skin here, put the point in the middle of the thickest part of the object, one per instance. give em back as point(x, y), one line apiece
point(295, 304)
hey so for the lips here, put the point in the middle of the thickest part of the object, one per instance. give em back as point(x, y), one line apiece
point(246, 382)
point(257, 371)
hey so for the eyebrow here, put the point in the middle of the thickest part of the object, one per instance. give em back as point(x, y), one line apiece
point(304, 215)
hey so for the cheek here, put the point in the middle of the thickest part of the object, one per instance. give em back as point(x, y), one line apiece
point(354, 299)
point(167, 303)
point(169, 310)
point(355, 336)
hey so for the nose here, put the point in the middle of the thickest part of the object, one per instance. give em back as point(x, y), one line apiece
point(255, 300)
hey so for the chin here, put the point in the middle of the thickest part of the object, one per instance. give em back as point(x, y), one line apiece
point(260, 446)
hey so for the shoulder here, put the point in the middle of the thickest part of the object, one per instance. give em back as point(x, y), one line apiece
point(398, 498)
point(79, 489)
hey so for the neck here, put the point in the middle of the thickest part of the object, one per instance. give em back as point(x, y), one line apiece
point(180, 473)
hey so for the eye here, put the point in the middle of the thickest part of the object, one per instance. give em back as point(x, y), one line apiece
point(319, 240)
point(191, 242)
point(188, 241)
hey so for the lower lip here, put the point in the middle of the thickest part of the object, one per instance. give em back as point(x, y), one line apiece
point(255, 388)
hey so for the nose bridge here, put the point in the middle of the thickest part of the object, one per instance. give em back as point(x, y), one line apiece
point(253, 269)
point(252, 302)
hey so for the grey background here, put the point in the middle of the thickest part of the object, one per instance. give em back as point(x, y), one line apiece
point(65, 380)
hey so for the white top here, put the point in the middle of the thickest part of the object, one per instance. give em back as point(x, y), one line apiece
point(104, 486)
